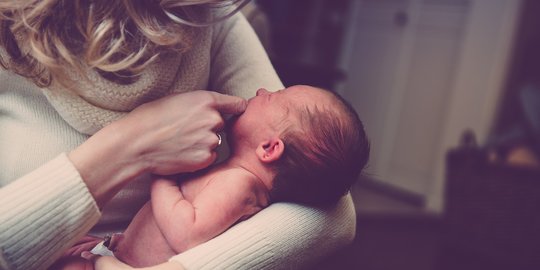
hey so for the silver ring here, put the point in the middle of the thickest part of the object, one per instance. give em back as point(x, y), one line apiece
point(219, 139)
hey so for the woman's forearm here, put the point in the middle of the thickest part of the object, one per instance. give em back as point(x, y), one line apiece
point(106, 162)
point(43, 213)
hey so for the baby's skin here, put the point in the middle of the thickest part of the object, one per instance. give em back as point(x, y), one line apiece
point(182, 214)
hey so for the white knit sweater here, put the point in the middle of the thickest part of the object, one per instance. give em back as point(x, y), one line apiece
point(45, 206)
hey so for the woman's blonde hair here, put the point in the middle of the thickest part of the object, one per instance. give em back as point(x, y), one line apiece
point(43, 38)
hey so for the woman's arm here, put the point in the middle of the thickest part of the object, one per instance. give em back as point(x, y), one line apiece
point(282, 236)
point(42, 214)
point(46, 211)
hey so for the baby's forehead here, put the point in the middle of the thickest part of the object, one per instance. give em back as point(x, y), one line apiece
point(304, 95)
point(308, 90)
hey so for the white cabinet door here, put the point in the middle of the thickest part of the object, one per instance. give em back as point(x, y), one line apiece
point(403, 67)
point(373, 68)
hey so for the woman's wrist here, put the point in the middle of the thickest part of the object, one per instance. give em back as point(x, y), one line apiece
point(106, 162)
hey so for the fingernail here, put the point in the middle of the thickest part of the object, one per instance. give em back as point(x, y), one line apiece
point(86, 255)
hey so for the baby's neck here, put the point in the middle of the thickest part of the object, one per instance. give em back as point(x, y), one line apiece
point(252, 167)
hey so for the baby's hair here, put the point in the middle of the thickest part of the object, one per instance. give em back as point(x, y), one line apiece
point(43, 38)
point(323, 155)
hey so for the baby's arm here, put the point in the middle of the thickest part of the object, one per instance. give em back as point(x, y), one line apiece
point(218, 206)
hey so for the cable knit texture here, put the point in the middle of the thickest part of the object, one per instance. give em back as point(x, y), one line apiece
point(89, 105)
point(38, 208)
point(45, 206)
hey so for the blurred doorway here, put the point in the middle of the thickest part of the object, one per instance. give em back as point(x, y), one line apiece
point(419, 73)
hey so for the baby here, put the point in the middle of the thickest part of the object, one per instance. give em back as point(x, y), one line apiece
point(300, 144)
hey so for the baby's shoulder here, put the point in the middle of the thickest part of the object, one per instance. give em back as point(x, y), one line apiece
point(241, 184)
point(236, 177)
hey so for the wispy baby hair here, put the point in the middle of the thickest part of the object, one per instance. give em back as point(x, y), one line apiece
point(323, 156)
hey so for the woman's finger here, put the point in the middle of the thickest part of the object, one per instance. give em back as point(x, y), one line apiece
point(229, 104)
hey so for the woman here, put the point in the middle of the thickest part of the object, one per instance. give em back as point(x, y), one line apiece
point(98, 95)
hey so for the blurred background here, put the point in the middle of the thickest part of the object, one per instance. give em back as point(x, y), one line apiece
point(449, 92)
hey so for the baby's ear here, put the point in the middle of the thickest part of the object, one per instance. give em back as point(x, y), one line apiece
point(270, 150)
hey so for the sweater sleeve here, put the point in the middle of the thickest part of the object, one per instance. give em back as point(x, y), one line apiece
point(43, 213)
point(282, 236)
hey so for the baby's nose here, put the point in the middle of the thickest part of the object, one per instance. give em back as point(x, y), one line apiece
point(262, 91)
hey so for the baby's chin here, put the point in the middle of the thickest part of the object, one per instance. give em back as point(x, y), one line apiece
point(230, 123)
point(236, 129)
point(230, 126)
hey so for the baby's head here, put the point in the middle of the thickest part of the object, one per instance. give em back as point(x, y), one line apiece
point(312, 140)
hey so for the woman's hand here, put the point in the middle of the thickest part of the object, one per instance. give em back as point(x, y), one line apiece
point(173, 134)
point(178, 133)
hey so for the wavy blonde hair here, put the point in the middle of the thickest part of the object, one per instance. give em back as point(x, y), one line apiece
point(43, 38)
